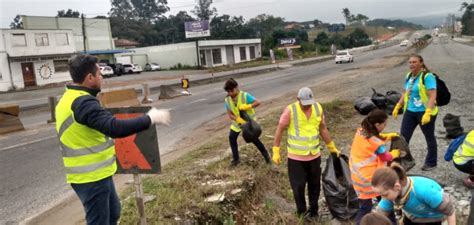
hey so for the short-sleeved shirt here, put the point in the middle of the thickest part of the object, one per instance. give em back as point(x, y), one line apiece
point(249, 98)
point(425, 197)
point(414, 102)
point(285, 121)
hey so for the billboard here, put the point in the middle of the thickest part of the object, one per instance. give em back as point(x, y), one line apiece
point(288, 43)
point(197, 29)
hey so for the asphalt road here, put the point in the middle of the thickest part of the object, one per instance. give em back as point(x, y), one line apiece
point(32, 175)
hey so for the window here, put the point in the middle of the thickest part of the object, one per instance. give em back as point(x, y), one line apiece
point(62, 39)
point(41, 39)
point(243, 54)
point(216, 56)
point(61, 66)
point(202, 55)
point(18, 40)
point(252, 52)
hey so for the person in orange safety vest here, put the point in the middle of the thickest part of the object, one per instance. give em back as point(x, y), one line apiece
point(368, 154)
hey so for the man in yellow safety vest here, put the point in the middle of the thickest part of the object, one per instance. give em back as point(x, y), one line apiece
point(85, 131)
point(305, 122)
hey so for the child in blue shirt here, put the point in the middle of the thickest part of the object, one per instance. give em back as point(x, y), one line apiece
point(421, 199)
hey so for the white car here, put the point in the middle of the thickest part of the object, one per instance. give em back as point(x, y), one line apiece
point(344, 56)
point(106, 71)
point(152, 66)
point(132, 68)
point(404, 43)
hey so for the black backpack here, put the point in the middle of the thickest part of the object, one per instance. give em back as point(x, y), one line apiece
point(443, 96)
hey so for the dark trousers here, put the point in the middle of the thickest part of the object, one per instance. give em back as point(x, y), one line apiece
point(410, 121)
point(100, 201)
point(301, 173)
point(468, 167)
point(365, 207)
point(235, 148)
point(407, 221)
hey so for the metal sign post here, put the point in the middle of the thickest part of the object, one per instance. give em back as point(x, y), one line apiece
point(137, 154)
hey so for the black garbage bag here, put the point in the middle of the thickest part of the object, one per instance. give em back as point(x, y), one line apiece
point(340, 195)
point(251, 130)
point(379, 99)
point(452, 123)
point(392, 99)
point(406, 159)
point(364, 105)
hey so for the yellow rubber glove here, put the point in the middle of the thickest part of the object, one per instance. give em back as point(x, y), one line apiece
point(276, 155)
point(239, 120)
point(245, 107)
point(332, 148)
point(389, 136)
point(426, 117)
point(395, 110)
point(395, 153)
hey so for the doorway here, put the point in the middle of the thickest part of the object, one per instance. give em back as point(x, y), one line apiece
point(29, 77)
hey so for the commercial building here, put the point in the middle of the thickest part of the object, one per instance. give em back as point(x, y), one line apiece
point(206, 53)
point(31, 57)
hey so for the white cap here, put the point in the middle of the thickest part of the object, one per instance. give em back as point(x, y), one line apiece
point(305, 95)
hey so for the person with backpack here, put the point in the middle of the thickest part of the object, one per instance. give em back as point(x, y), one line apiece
point(421, 199)
point(461, 151)
point(238, 101)
point(368, 153)
point(420, 108)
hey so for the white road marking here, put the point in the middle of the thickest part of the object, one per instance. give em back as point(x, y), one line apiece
point(199, 100)
point(29, 142)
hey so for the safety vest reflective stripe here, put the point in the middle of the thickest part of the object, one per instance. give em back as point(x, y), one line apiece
point(292, 137)
point(235, 110)
point(70, 152)
point(466, 142)
point(365, 192)
point(356, 166)
point(362, 184)
point(66, 124)
point(90, 167)
point(295, 120)
point(303, 148)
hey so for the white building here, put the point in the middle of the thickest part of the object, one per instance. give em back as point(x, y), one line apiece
point(31, 58)
point(206, 53)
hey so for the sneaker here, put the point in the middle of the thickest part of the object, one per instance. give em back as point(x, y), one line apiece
point(311, 216)
point(428, 168)
point(469, 182)
point(234, 163)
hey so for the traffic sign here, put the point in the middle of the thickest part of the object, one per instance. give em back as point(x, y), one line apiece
point(137, 153)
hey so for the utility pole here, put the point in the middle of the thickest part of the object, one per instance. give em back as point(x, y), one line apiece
point(83, 32)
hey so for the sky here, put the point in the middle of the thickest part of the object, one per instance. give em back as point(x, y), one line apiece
point(291, 10)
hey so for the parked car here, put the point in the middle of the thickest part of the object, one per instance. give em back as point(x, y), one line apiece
point(106, 70)
point(132, 68)
point(404, 43)
point(152, 66)
point(117, 67)
point(344, 56)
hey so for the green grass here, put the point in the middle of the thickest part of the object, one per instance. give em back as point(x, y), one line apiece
point(265, 196)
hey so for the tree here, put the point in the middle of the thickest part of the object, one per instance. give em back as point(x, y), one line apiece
point(467, 18)
point(149, 11)
point(317, 23)
point(203, 10)
point(347, 15)
point(263, 25)
point(361, 19)
point(121, 9)
point(227, 27)
point(16, 24)
point(359, 38)
point(322, 39)
point(69, 13)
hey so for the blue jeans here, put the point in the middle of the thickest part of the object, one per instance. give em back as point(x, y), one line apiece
point(409, 123)
point(100, 201)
